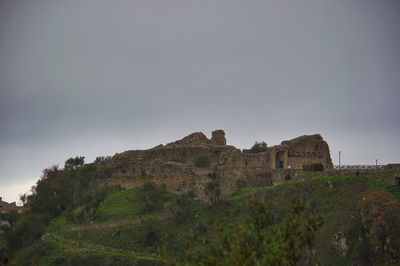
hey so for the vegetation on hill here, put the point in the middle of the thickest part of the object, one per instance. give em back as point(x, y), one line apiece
point(259, 147)
point(332, 220)
point(202, 161)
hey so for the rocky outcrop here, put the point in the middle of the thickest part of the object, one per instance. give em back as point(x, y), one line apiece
point(226, 167)
point(192, 139)
point(339, 243)
point(218, 137)
point(299, 152)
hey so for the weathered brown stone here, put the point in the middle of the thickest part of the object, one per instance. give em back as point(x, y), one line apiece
point(173, 164)
point(301, 151)
point(218, 137)
point(194, 138)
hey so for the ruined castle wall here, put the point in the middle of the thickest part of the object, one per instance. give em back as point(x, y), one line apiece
point(218, 137)
point(173, 164)
point(299, 161)
point(296, 153)
point(307, 150)
point(227, 164)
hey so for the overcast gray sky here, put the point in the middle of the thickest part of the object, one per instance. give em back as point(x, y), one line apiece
point(92, 78)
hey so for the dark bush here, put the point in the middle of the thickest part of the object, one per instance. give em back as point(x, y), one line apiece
point(26, 230)
point(213, 191)
point(149, 233)
point(74, 163)
point(150, 198)
point(202, 161)
point(102, 159)
point(255, 241)
point(185, 207)
point(259, 147)
point(314, 167)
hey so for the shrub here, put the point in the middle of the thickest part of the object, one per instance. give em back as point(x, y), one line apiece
point(74, 163)
point(102, 159)
point(185, 207)
point(150, 197)
point(149, 233)
point(26, 230)
point(207, 141)
point(259, 147)
point(254, 241)
point(213, 191)
point(313, 167)
point(202, 161)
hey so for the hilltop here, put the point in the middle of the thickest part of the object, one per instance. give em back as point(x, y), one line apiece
point(123, 234)
point(199, 200)
point(194, 161)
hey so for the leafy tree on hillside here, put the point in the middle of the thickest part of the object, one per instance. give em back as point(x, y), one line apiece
point(185, 207)
point(12, 217)
point(74, 163)
point(102, 159)
point(71, 167)
point(212, 190)
point(26, 230)
point(93, 197)
point(51, 194)
point(255, 242)
point(150, 197)
point(259, 147)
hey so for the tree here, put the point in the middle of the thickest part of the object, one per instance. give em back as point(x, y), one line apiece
point(26, 230)
point(150, 197)
point(259, 147)
point(50, 196)
point(102, 159)
point(212, 190)
point(70, 167)
point(50, 172)
point(93, 197)
point(185, 207)
point(24, 199)
point(254, 241)
point(74, 163)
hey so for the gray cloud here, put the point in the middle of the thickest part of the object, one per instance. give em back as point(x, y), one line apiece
point(98, 77)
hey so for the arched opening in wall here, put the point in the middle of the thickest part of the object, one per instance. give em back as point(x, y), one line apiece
point(279, 159)
point(288, 178)
point(397, 181)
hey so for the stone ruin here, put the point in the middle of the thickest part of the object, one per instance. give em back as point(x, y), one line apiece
point(227, 167)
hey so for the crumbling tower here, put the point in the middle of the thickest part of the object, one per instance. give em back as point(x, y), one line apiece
point(218, 137)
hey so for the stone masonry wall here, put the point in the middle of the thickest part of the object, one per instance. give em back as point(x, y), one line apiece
point(174, 164)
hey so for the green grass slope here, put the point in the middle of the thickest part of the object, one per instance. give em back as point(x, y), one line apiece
point(123, 234)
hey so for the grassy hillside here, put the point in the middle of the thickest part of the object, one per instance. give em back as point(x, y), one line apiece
point(128, 230)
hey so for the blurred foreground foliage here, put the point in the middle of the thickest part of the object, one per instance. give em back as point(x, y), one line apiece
point(255, 241)
point(56, 191)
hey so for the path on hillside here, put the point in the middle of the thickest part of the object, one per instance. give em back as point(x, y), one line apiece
point(74, 245)
point(104, 225)
point(107, 224)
